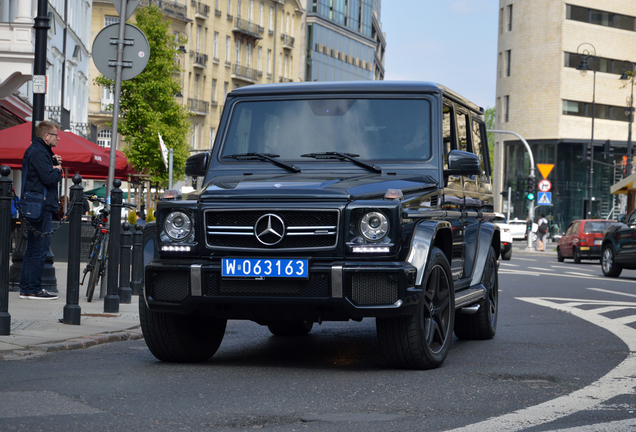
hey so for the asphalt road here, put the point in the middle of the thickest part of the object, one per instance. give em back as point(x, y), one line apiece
point(563, 359)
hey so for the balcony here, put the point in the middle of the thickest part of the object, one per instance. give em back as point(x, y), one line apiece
point(230, 17)
point(170, 8)
point(215, 60)
point(244, 73)
point(214, 103)
point(260, 29)
point(198, 107)
point(200, 60)
point(288, 41)
point(284, 80)
point(86, 130)
point(246, 28)
point(202, 11)
point(217, 12)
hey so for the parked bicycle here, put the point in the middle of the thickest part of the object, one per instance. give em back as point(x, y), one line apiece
point(99, 246)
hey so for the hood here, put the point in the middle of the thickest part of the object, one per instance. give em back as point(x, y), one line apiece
point(324, 187)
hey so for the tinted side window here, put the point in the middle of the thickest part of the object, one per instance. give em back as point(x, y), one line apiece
point(447, 132)
point(478, 147)
point(462, 131)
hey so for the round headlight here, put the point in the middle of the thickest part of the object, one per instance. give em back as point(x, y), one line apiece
point(178, 226)
point(374, 226)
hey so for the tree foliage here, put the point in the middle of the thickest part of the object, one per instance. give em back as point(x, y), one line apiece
point(489, 119)
point(148, 106)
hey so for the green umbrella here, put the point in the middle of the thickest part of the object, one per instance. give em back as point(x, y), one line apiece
point(101, 192)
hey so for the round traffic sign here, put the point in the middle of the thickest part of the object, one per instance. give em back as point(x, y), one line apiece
point(136, 51)
point(545, 185)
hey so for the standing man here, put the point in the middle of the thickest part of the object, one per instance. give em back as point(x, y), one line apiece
point(542, 232)
point(43, 173)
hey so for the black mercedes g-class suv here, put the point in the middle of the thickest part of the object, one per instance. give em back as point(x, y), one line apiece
point(331, 202)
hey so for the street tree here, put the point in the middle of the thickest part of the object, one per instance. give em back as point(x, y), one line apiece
point(489, 119)
point(148, 106)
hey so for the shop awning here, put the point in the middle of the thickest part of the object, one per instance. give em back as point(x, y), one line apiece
point(79, 155)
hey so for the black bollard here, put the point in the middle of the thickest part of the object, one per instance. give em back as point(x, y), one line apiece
point(6, 185)
point(72, 310)
point(125, 293)
point(137, 259)
point(111, 301)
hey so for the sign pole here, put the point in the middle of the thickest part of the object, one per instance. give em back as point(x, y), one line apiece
point(113, 141)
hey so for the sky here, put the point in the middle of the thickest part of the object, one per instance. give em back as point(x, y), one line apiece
point(450, 42)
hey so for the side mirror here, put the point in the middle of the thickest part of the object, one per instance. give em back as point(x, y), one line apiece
point(462, 163)
point(196, 164)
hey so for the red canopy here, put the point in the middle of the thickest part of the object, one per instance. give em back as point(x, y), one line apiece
point(79, 155)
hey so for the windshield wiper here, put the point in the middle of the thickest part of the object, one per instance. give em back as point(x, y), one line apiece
point(263, 156)
point(344, 156)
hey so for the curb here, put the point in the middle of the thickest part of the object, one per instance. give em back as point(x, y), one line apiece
point(73, 344)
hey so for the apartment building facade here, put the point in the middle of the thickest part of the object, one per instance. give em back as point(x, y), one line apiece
point(344, 40)
point(230, 44)
point(545, 94)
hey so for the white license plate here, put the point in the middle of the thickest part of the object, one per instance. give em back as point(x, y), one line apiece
point(262, 268)
point(598, 242)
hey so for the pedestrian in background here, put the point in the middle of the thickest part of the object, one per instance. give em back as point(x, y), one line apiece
point(41, 172)
point(542, 233)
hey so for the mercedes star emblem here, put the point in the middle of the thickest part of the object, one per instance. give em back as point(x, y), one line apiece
point(269, 229)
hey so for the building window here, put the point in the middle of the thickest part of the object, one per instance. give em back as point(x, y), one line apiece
point(271, 18)
point(259, 54)
point(269, 62)
point(195, 131)
point(601, 111)
point(212, 131)
point(227, 50)
point(599, 17)
point(509, 17)
point(213, 89)
point(104, 137)
point(238, 8)
point(215, 49)
point(506, 109)
point(107, 99)
point(238, 52)
point(260, 15)
point(508, 60)
point(225, 88)
point(248, 62)
point(108, 20)
point(613, 66)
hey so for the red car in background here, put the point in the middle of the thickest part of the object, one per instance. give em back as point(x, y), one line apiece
point(583, 239)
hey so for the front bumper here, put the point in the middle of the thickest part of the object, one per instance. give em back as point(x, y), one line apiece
point(333, 291)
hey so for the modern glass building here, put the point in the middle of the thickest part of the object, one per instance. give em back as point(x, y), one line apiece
point(560, 64)
point(344, 40)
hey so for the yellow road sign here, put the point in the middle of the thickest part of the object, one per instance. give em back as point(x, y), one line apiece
point(545, 169)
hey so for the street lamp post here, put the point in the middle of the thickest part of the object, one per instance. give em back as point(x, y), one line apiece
point(629, 75)
point(583, 50)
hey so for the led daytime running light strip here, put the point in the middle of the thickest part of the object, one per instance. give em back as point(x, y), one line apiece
point(176, 248)
point(371, 249)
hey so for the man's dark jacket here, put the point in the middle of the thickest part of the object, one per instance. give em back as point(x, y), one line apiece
point(41, 174)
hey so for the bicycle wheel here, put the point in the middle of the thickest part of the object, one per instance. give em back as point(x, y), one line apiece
point(92, 261)
point(92, 282)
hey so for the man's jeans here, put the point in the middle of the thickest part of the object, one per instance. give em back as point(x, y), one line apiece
point(35, 256)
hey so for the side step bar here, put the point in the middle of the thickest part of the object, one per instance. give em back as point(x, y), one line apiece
point(468, 296)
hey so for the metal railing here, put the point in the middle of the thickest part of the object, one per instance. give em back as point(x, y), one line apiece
point(284, 80)
point(198, 106)
point(172, 8)
point(244, 72)
point(201, 9)
point(245, 25)
point(199, 59)
point(288, 41)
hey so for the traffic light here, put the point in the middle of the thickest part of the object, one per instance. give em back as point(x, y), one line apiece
point(608, 150)
point(530, 189)
point(588, 152)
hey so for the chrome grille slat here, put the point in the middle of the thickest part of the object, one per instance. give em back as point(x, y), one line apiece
point(234, 229)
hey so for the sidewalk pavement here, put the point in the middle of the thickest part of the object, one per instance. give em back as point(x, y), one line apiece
point(36, 326)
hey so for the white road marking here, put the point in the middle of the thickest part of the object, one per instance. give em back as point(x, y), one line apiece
point(580, 274)
point(541, 269)
point(508, 264)
point(573, 268)
point(547, 273)
point(525, 259)
point(612, 292)
point(619, 381)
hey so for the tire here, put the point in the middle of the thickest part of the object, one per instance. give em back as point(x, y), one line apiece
point(507, 255)
point(559, 256)
point(422, 341)
point(576, 255)
point(290, 328)
point(482, 325)
point(608, 262)
point(92, 282)
point(189, 338)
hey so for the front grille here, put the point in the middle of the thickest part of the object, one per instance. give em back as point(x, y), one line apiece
point(367, 289)
point(317, 286)
point(172, 286)
point(304, 229)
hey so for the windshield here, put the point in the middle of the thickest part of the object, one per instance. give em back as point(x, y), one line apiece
point(596, 227)
point(377, 129)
